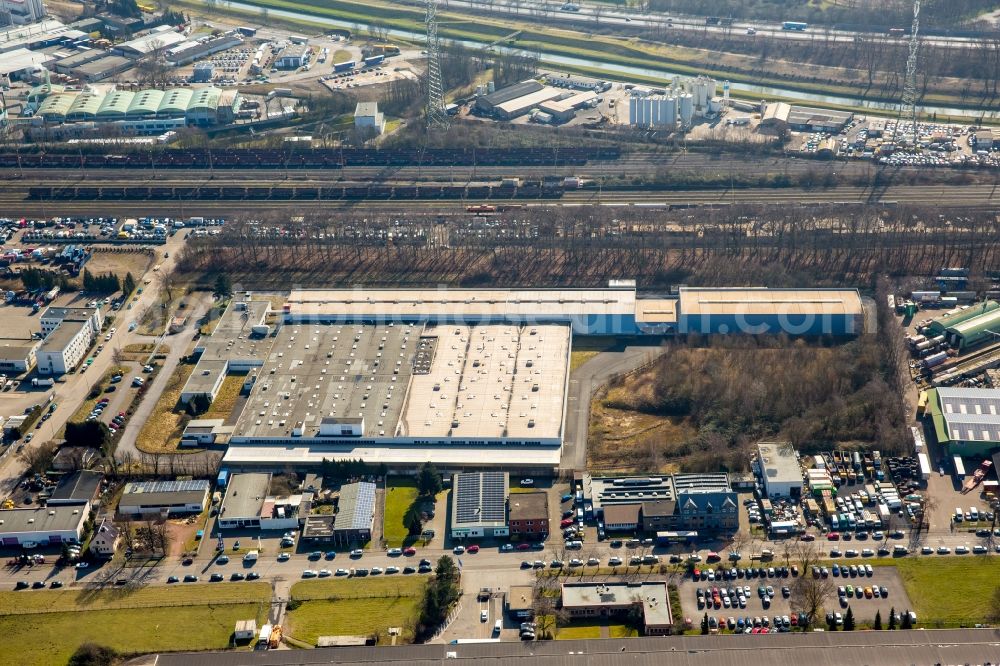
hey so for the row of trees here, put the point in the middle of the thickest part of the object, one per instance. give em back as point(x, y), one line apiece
point(790, 246)
point(105, 283)
point(40, 278)
point(441, 593)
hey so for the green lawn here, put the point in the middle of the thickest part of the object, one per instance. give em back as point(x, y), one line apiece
point(948, 591)
point(622, 631)
point(356, 606)
point(54, 624)
point(400, 494)
point(578, 630)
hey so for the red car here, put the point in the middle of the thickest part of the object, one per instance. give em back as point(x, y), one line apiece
point(696, 574)
point(472, 549)
point(524, 546)
point(565, 522)
point(410, 551)
point(833, 536)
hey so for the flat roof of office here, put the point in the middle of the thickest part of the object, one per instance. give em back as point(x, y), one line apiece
point(42, 519)
point(245, 495)
point(779, 461)
point(57, 340)
point(759, 300)
point(651, 594)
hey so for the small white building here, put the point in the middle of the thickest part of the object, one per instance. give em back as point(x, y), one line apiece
point(292, 57)
point(245, 630)
point(106, 539)
point(779, 469)
point(366, 115)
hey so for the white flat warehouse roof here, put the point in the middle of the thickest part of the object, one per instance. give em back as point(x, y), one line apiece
point(442, 456)
point(491, 382)
point(423, 303)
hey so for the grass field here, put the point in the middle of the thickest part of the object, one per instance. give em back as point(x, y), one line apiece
point(949, 591)
point(226, 399)
point(356, 606)
point(54, 624)
point(400, 494)
point(161, 432)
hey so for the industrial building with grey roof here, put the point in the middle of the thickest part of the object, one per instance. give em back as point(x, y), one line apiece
point(466, 378)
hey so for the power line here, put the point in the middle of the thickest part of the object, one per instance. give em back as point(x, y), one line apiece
point(434, 111)
point(910, 93)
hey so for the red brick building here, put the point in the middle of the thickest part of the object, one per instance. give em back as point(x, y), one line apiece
point(529, 514)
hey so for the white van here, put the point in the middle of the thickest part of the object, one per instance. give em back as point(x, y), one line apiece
point(974, 513)
point(498, 626)
point(251, 556)
point(958, 514)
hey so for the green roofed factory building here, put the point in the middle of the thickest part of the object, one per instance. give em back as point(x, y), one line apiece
point(966, 420)
point(968, 326)
point(138, 112)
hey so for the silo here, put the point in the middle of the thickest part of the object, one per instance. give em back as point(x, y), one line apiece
point(633, 112)
point(686, 109)
point(647, 111)
point(670, 112)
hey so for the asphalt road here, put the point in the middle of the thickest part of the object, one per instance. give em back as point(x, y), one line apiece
point(178, 347)
point(582, 383)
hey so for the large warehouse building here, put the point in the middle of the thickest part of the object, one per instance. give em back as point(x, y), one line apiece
point(466, 378)
point(616, 310)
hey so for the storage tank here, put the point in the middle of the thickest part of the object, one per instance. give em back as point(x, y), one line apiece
point(935, 359)
point(686, 103)
point(633, 112)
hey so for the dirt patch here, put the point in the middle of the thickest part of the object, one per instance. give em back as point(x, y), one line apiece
point(625, 441)
point(161, 433)
point(182, 533)
point(120, 263)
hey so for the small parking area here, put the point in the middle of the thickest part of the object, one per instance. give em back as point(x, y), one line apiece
point(779, 604)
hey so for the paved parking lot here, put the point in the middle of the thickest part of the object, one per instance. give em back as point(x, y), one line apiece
point(864, 609)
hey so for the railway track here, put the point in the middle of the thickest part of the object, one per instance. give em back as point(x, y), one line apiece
point(17, 206)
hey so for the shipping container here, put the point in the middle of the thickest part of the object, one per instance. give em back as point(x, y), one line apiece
point(370, 61)
point(926, 296)
point(343, 66)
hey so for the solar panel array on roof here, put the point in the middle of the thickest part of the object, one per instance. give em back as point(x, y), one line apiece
point(357, 506)
point(481, 497)
point(136, 487)
point(468, 490)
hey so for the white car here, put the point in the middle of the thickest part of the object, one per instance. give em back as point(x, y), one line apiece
point(614, 561)
point(284, 557)
point(484, 616)
point(357, 552)
point(309, 573)
point(458, 550)
point(961, 550)
point(394, 552)
point(324, 573)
